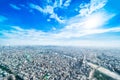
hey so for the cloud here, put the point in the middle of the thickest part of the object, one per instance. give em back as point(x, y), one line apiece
point(53, 28)
point(95, 20)
point(60, 3)
point(2, 18)
point(15, 7)
point(47, 10)
point(68, 34)
point(67, 3)
point(88, 25)
point(91, 20)
point(17, 31)
point(85, 9)
point(36, 7)
point(19, 36)
point(89, 8)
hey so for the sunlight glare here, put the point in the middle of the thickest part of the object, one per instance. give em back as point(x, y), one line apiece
point(93, 22)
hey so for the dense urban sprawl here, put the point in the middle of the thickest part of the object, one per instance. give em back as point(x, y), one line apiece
point(55, 63)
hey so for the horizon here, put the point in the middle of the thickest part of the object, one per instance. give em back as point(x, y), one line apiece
point(67, 46)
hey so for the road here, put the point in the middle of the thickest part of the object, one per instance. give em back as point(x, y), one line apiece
point(105, 71)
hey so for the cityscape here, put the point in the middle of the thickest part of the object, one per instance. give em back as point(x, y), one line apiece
point(57, 63)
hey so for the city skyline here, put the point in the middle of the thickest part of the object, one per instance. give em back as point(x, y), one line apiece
point(60, 22)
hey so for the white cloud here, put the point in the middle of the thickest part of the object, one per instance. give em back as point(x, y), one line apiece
point(68, 34)
point(48, 20)
point(19, 36)
point(54, 16)
point(47, 10)
point(89, 21)
point(61, 2)
point(58, 3)
point(15, 7)
point(54, 29)
point(67, 3)
point(36, 7)
point(94, 5)
point(2, 18)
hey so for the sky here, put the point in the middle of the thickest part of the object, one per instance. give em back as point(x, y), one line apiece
point(60, 22)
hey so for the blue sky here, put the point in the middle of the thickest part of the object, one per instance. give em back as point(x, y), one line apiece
point(60, 22)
